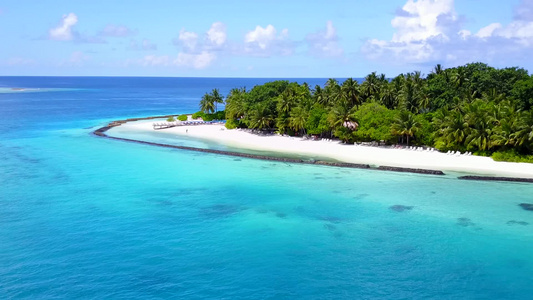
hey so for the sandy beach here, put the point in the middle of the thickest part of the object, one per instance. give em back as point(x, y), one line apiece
point(377, 156)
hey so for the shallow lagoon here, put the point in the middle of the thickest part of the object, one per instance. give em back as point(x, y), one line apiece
point(82, 216)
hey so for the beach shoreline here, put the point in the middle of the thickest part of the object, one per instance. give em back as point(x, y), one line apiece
point(392, 159)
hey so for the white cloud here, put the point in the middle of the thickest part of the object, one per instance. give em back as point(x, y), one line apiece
point(429, 32)
point(216, 35)
point(418, 26)
point(200, 53)
point(64, 32)
point(117, 31)
point(487, 31)
point(266, 41)
point(196, 61)
point(188, 40)
point(325, 42)
point(464, 34)
point(520, 31)
point(261, 36)
point(419, 20)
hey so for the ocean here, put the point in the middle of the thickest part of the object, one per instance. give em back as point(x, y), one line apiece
point(83, 217)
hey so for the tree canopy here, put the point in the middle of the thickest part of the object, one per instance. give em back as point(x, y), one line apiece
point(473, 107)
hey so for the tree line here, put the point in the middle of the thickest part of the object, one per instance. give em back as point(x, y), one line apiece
point(473, 107)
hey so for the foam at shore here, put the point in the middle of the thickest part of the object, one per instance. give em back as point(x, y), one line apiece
point(378, 156)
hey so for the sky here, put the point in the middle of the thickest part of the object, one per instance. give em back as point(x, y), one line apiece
point(276, 39)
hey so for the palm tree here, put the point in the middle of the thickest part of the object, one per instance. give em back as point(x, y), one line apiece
point(460, 77)
point(235, 103)
point(217, 98)
point(524, 132)
point(286, 100)
point(481, 136)
point(493, 95)
point(481, 123)
point(455, 129)
point(333, 91)
point(350, 92)
point(261, 117)
point(298, 119)
point(389, 96)
point(319, 95)
point(417, 79)
point(371, 86)
point(207, 104)
point(341, 119)
point(405, 125)
point(438, 69)
point(410, 96)
point(504, 132)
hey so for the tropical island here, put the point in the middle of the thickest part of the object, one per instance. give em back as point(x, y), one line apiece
point(473, 108)
point(471, 119)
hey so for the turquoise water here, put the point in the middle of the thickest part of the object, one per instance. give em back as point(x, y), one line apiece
point(87, 217)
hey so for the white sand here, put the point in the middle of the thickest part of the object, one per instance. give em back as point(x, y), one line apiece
point(342, 152)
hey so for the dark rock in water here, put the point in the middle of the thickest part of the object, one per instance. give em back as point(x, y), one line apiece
point(361, 196)
point(221, 210)
point(410, 170)
point(299, 209)
point(333, 220)
point(400, 208)
point(465, 222)
point(433, 192)
point(513, 222)
point(526, 206)
point(281, 215)
point(237, 159)
point(165, 202)
point(330, 227)
point(491, 178)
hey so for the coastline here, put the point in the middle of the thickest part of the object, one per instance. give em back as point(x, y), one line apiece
point(341, 155)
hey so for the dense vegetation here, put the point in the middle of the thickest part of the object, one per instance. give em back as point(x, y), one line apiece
point(473, 108)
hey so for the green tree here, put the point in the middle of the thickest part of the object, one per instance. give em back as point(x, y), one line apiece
point(371, 86)
point(350, 92)
point(375, 122)
point(405, 125)
point(333, 92)
point(298, 119)
point(235, 103)
point(342, 120)
point(389, 96)
point(216, 98)
point(207, 104)
point(524, 131)
point(261, 117)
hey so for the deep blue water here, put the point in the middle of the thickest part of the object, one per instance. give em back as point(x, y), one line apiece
point(86, 217)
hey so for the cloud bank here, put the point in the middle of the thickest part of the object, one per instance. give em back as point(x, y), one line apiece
point(430, 31)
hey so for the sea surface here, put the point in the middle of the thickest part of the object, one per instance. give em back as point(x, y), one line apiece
point(83, 217)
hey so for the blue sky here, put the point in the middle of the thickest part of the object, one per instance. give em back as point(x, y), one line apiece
point(290, 38)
